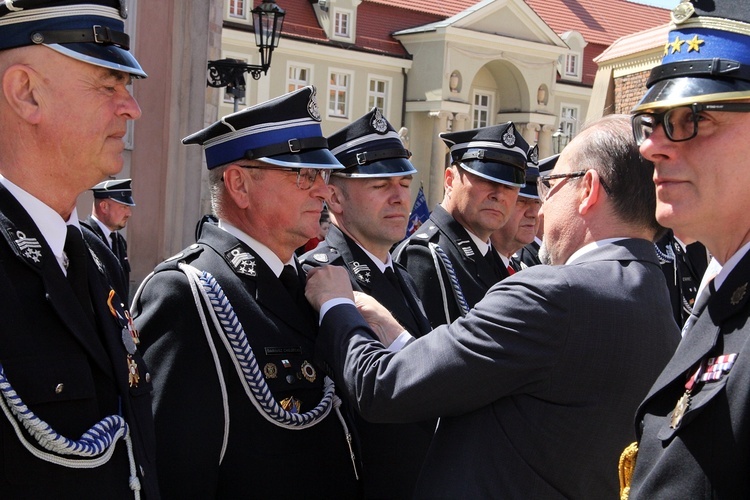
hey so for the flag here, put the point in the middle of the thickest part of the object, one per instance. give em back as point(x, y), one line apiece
point(419, 213)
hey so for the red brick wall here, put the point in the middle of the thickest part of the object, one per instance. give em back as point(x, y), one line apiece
point(629, 90)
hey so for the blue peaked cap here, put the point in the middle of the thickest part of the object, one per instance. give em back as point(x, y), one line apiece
point(90, 31)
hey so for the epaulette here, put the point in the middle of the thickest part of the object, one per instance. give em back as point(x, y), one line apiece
point(187, 255)
point(424, 234)
point(320, 256)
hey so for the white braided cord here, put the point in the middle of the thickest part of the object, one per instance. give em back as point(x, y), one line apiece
point(439, 256)
point(95, 447)
point(235, 340)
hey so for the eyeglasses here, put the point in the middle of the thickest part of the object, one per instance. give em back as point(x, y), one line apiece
point(544, 188)
point(305, 176)
point(680, 123)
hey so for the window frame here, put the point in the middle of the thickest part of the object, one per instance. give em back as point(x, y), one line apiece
point(348, 93)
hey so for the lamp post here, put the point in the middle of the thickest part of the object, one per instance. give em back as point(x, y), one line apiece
point(559, 140)
point(268, 19)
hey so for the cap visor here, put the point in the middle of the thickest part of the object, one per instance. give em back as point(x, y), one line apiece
point(391, 167)
point(496, 172)
point(316, 158)
point(688, 90)
point(106, 56)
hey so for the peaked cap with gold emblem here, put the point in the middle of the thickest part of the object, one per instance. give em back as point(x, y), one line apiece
point(706, 57)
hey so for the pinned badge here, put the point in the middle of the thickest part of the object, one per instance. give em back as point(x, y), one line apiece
point(312, 106)
point(379, 123)
point(133, 375)
point(321, 257)
point(270, 370)
point(682, 12)
point(291, 404)
point(509, 137)
point(308, 371)
point(738, 294)
point(242, 262)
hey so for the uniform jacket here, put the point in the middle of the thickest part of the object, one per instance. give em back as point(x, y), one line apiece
point(708, 455)
point(683, 270)
point(473, 272)
point(535, 387)
point(69, 372)
point(392, 454)
point(528, 256)
point(122, 269)
point(261, 460)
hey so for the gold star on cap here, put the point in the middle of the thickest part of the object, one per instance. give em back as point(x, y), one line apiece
point(677, 45)
point(695, 44)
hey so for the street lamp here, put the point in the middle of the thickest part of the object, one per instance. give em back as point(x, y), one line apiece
point(268, 19)
point(559, 140)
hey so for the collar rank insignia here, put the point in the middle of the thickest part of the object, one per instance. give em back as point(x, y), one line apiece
point(242, 262)
point(738, 294)
point(361, 271)
point(29, 247)
point(320, 257)
point(465, 246)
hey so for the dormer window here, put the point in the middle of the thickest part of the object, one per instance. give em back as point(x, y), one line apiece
point(342, 24)
point(571, 64)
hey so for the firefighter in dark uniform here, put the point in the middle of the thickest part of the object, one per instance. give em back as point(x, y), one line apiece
point(241, 407)
point(369, 208)
point(75, 392)
point(450, 256)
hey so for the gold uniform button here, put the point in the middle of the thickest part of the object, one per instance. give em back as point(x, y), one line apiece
point(59, 388)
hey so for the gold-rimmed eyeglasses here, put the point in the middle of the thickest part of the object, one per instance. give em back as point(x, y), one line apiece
point(305, 176)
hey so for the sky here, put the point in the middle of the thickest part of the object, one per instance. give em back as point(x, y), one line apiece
point(667, 4)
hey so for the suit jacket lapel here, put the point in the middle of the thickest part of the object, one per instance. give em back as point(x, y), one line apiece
point(39, 257)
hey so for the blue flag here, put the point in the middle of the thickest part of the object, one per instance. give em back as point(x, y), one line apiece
point(419, 213)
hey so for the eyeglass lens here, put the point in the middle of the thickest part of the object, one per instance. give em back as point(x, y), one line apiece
point(680, 124)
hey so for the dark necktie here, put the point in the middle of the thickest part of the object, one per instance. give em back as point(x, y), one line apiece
point(290, 280)
point(75, 251)
point(699, 306)
point(115, 245)
point(391, 276)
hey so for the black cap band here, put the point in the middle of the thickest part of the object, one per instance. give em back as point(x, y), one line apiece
point(366, 157)
point(716, 67)
point(493, 155)
point(290, 146)
point(98, 34)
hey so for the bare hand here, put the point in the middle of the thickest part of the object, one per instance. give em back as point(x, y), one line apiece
point(326, 283)
point(380, 319)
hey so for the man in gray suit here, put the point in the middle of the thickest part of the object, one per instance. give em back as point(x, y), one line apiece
point(537, 385)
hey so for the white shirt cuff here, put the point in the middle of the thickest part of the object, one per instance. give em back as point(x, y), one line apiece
point(329, 304)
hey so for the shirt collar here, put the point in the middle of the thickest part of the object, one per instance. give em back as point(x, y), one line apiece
point(728, 266)
point(105, 230)
point(381, 265)
point(591, 246)
point(482, 246)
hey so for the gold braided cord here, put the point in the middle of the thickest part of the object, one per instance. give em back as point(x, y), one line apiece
point(625, 467)
point(716, 23)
